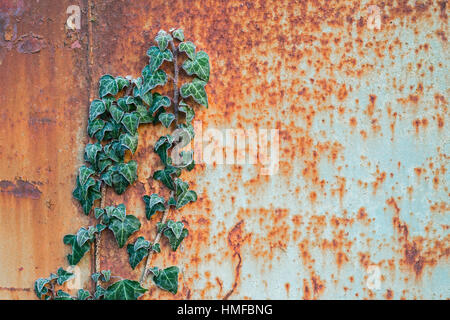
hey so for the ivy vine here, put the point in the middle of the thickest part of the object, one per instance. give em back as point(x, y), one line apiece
point(123, 104)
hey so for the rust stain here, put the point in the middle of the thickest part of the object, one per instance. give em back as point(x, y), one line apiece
point(20, 189)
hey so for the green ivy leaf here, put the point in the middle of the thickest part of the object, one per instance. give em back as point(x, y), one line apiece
point(138, 251)
point(173, 240)
point(166, 119)
point(184, 196)
point(187, 47)
point(106, 275)
point(116, 113)
point(131, 122)
point(122, 83)
point(108, 100)
point(115, 151)
point(83, 236)
point(94, 126)
point(162, 145)
point(116, 180)
point(158, 102)
point(97, 108)
point(108, 85)
point(91, 151)
point(156, 248)
point(162, 39)
point(167, 279)
point(199, 65)
point(119, 212)
point(95, 276)
point(129, 141)
point(165, 176)
point(152, 204)
point(87, 193)
point(99, 292)
point(178, 34)
point(128, 171)
point(84, 173)
point(39, 287)
point(196, 89)
point(124, 229)
point(183, 107)
point(83, 294)
point(124, 290)
point(152, 79)
point(125, 103)
point(144, 114)
point(61, 295)
point(77, 251)
point(176, 227)
point(157, 57)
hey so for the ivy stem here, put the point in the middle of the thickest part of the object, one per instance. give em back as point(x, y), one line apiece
point(98, 238)
point(175, 111)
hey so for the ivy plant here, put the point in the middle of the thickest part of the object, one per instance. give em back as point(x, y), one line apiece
point(122, 105)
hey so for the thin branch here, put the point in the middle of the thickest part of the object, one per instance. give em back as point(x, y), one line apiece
point(98, 238)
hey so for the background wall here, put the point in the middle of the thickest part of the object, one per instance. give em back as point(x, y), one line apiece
point(363, 121)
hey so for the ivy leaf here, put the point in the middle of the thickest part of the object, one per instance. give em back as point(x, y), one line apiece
point(138, 251)
point(83, 294)
point(172, 202)
point(156, 248)
point(122, 83)
point(123, 104)
point(39, 287)
point(124, 290)
point(87, 193)
point(90, 153)
point(61, 295)
point(165, 176)
point(115, 151)
point(97, 108)
point(119, 212)
point(108, 100)
point(167, 279)
point(77, 251)
point(152, 79)
point(184, 196)
point(129, 141)
point(176, 227)
point(119, 183)
point(83, 235)
point(178, 34)
point(152, 204)
point(108, 85)
point(166, 119)
point(103, 162)
point(95, 276)
point(116, 113)
point(84, 173)
point(173, 240)
point(199, 65)
point(94, 126)
point(187, 47)
point(157, 57)
point(124, 229)
point(183, 107)
point(99, 292)
point(162, 145)
point(158, 102)
point(196, 89)
point(162, 39)
point(106, 275)
point(128, 171)
point(131, 122)
point(98, 212)
point(144, 115)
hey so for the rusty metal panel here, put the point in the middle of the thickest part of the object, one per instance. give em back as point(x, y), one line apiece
point(361, 190)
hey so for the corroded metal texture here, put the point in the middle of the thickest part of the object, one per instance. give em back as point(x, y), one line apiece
point(362, 115)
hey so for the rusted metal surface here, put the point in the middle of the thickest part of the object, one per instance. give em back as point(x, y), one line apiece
point(362, 115)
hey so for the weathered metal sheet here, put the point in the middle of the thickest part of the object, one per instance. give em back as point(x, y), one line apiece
point(362, 115)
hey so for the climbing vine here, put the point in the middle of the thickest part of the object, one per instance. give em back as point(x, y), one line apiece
point(123, 104)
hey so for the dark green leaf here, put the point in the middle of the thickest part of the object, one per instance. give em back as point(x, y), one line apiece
point(116, 113)
point(196, 89)
point(138, 251)
point(39, 287)
point(167, 279)
point(157, 57)
point(178, 34)
point(83, 294)
point(124, 290)
point(115, 151)
point(152, 79)
point(183, 107)
point(161, 147)
point(99, 292)
point(77, 251)
point(165, 176)
point(199, 65)
point(128, 171)
point(158, 102)
point(162, 39)
point(145, 115)
point(173, 240)
point(94, 126)
point(129, 141)
point(124, 229)
point(91, 151)
point(107, 86)
point(187, 47)
point(84, 173)
point(166, 119)
point(119, 212)
point(131, 122)
point(106, 275)
point(176, 227)
point(97, 108)
point(152, 204)
point(184, 196)
point(122, 83)
point(61, 295)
